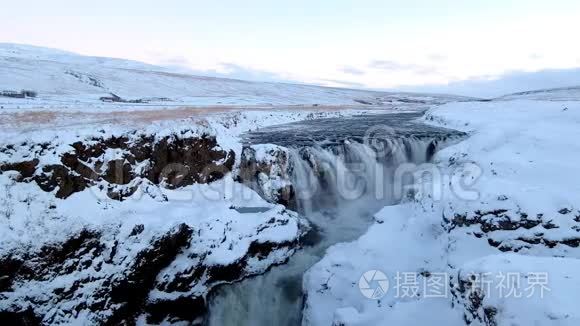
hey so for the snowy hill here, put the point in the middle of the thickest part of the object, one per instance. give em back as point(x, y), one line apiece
point(553, 94)
point(63, 78)
point(515, 82)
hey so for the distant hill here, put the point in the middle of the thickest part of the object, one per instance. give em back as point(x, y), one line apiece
point(509, 83)
point(553, 94)
point(62, 78)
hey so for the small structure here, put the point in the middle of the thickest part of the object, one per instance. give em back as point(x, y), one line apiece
point(22, 94)
point(116, 98)
point(112, 98)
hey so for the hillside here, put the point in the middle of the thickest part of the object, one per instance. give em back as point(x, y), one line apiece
point(64, 79)
point(552, 94)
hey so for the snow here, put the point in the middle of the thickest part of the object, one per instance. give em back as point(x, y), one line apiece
point(31, 219)
point(534, 300)
point(65, 80)
point(503, 200)
point(527, 149)
point(402, 243)
point(27, 222)
point(520, 160)
point(554, 94)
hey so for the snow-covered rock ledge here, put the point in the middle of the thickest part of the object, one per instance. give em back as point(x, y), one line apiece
point(95, 229)
point(105, 261)
point(516, 211)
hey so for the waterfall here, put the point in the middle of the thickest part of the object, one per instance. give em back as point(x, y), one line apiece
point(325, 177)
point(338, 188)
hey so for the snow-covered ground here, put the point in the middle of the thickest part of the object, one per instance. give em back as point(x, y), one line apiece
point(67, 80)
point(68, 252)
point(108, 243)
point(505, 201)
point(554, 94)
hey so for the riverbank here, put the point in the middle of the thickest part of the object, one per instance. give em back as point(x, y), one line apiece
point(516, 212)
point(122, 225)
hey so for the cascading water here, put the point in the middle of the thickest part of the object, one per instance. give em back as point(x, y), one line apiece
point(338, 188)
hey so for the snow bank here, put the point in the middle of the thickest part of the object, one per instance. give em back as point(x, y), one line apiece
point(509, 191)
point(212, 239)
point(513, 289)
point(526, 150)
point(158, 252)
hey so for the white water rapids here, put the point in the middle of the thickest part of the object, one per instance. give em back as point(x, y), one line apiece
point(338, 189)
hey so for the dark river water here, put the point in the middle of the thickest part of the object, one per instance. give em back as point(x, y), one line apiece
point(334, 130)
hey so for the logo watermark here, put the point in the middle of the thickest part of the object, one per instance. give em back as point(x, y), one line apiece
point(374, 284)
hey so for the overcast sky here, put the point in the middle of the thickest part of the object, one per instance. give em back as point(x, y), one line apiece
point(374, 43)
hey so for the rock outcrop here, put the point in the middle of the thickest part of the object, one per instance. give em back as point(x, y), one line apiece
point(120, 163)
point(267, 170)
point(103, 276)
point(116, 271)
point(492, 290)
point(556, 230)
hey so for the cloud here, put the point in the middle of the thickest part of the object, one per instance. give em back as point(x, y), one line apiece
point(352, 70)
point(232, 70)
point(510, 82)
point(437, 57)
point(389, 65)
point(224, 70)
point(236, 71)
point(400, 67)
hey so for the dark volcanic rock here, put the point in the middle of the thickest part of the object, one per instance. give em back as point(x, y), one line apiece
point(115, 274)
point(255, 172)
point(131, 288)
point(183, 308)
point(121, 292)
point(61, 178)
point(466, 292)
point(109, 277)
point(118, 172)
point(121, 284)
point(20, 318)
point(526, 232)
point(173, 161)
point(26, 168)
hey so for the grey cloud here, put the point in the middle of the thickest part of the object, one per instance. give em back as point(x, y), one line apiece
point(352, 70)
